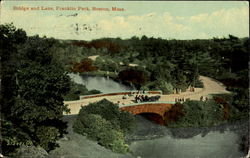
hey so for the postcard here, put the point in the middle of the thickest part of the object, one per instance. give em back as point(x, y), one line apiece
point(124, 79)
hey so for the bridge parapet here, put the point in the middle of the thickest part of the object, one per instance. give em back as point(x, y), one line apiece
point(119, 93)
point(147, 103)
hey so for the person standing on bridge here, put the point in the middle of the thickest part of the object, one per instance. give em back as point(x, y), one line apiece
point(143, 98)
point(136, 98)
point(139, 98)
point(146, 98)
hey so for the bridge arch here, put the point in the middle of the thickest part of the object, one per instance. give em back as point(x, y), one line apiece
point(147, 109)
point(153, 117)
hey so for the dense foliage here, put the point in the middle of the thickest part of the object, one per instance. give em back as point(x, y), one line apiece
point(32, 90)
point(86, 65)
point(195, 114)
point(104, 122)
point(232, 107)
point(174, 114)
point(78, 89)
point(176, 62)
point(137, 77)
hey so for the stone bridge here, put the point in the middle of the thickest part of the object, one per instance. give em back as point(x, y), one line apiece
point(75, 105)
point(148, 107)
point(154, 111)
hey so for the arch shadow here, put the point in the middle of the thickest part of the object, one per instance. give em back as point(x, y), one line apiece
point(154, 117)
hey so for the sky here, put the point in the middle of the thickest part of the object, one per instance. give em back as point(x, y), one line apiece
point(159, 19)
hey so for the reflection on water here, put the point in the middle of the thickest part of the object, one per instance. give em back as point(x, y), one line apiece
point(102, 84)
point(213, 145)
point(150, 140)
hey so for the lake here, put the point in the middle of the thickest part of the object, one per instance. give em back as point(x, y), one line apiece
point(103, 84)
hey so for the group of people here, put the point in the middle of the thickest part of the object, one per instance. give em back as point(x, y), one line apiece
point(176, 91)
point(183, 100)
point(141, 98)
point(180, 100)
point(203, 98)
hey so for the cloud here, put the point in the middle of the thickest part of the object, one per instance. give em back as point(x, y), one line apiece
point(94, 25)
point(221, 23)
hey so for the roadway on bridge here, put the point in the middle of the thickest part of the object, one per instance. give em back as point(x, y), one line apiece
point(211, 86)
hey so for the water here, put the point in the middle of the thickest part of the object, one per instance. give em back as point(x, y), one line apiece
point(103, 84)
point(215, 144)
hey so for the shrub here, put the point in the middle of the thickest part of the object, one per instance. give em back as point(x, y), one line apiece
point(118, 143)
point(237, 104)
point(94, 91)
point(198, 113)
point(91, 125)
point(105, 123)
point(47, 136)
point(225, 105)
point(110, 112)
point(166, 87)
point(113, 140)
point(99, 129)
point(30, 151)
point(174, 114)
point(241, 99)
point(126, 121)
point(78, 89)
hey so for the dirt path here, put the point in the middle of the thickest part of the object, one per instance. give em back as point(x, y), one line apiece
point(210, 87)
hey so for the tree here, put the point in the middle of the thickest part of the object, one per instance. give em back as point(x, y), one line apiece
point(10, 38)
point(86, 65)
point(78, 89)
point(137, 77)
point(174, 114)
point(166, 87)
point(37, 49)
point(198, 113)
point(39, 105)
point(33, 89)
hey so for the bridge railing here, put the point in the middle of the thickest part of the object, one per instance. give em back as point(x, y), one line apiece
point(120, 93)
point(143, 103)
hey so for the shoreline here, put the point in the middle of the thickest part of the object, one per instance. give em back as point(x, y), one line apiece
point(239, 127)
